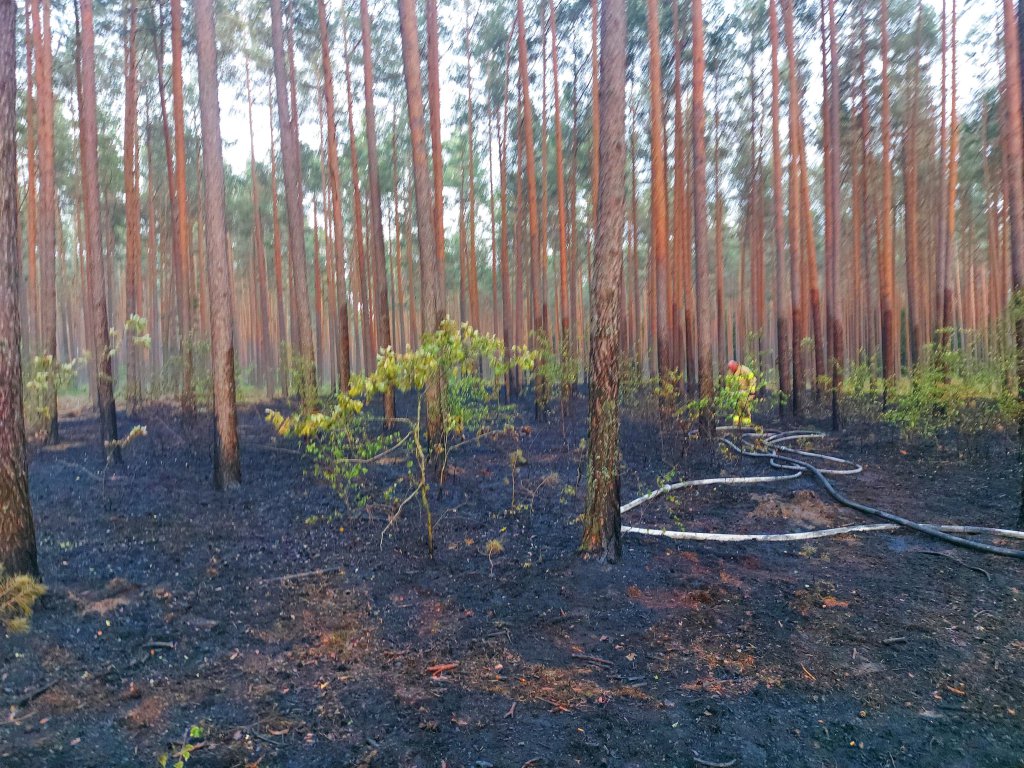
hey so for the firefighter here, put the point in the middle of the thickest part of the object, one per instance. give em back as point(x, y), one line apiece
point(743, 381)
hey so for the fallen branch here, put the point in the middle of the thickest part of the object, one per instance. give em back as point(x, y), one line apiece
point(154, 644)
point(438, 669)
point(301, 575)
point(711, 763)
point(593, 659)
point(956, 560)
point(33, 693)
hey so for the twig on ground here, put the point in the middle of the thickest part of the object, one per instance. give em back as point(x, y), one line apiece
point(437, 669)
point(894, 640)
point(301, 575)
point(257, 735)
point(711, 763)
point(153, 644)
point(558, 707)
point(957, 560)
point(31, 694)
point(511, 710)
point(593, 659)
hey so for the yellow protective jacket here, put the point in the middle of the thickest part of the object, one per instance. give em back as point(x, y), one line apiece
point(746, 379)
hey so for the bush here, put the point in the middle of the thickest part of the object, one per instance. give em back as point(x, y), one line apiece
point(947, 390)
point(348, 441)
point(43, 375)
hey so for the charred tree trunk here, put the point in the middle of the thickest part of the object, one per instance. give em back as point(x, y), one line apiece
point(227, 471)
point(17, 532)
point(602, 525)
point(94, 253)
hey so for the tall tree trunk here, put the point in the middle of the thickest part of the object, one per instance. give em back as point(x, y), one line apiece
point(185, 291)
point(782, 301)
point(47, 212)
point(17, 532)
point(282, 343)
point(434, 96)
point(360, 256)
point(343, 350)
point(471, 266)
point(833, 218)
point(268, 334)
point(508, 330)
point(886, 256)
point(705, 338)
point(910, 205)
point(682, 201)
point(288, 120)
point(133, 213)
point(949, 256)
point(94, 252)
point(799, 326)
point(538, 301)
point(721, 323)
point(602, 524)
point(659, 196)
point(31, 199)
point(227, 471)
point(432, 303)
point(563, 263)
point(1014, 146)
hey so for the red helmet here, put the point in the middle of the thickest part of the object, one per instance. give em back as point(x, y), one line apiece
point(733, 366)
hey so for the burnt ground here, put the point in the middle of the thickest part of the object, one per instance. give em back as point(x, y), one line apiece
point(295, 635)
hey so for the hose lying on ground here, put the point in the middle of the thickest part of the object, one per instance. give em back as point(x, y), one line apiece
point(783, 457)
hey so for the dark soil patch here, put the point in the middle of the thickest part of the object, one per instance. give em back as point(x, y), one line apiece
point(172, 605)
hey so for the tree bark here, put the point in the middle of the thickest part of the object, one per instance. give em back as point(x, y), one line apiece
point(343, 351)
point(471, 264)
point(1014, 147)
point(185, 290)
point(288, 120)
point(890, 347)
point(602, 524)
point(705, 338)
point(659, 196)
point(782, 301)
point(47, 211)
point(431, 303)
point(94, 252)
point(227, 470)
point(434, 96)
point(538, 301)
point(133, 213)
point(360, 260)
point(17, 532)
point(799, 324)
point(383, 315)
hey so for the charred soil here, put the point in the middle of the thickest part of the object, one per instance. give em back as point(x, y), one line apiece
point(294, 634)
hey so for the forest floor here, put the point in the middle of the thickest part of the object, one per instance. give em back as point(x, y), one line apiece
point(295, 634)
